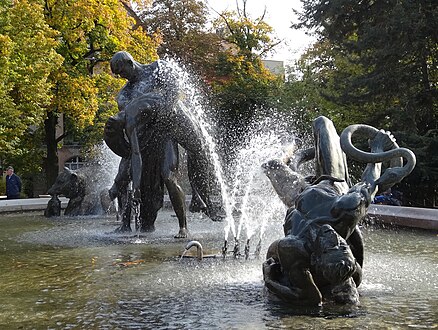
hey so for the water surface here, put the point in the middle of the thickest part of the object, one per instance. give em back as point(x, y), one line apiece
point(73, 273)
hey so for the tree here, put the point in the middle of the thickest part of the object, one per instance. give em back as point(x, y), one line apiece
point(395, 45)
point(27, 60)
point(183, 26)
point(317, 80)
point(54, 61)
point(90, 33)
point(243, 85)
point(251, 37)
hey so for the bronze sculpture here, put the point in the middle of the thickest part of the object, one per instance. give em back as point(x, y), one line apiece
point(321, 256)
point(86, 197)
point(146, 132)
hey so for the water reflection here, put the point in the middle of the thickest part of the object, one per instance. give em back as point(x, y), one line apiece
point(66, 273)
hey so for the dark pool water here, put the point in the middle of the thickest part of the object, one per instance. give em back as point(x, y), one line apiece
point(75, 274)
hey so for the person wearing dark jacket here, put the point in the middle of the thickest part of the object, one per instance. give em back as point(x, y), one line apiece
point(13, 184)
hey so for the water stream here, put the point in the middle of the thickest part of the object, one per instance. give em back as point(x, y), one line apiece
point(248, 198)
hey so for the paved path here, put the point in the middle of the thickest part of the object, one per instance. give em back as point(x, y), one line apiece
point(397, 215)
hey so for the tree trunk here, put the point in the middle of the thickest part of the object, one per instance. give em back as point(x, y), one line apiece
point(51, 162)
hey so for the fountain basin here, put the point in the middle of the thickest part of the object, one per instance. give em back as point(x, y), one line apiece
point(28, 204)
point(74, 273)
point(404, 216)
point(414, 217)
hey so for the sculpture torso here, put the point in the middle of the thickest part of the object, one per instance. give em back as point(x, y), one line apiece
point(146, 82)
point(320, 204)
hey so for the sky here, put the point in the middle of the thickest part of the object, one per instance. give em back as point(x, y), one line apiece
point(280, 16)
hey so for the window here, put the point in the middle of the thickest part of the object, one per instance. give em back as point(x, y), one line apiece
point(74, 163)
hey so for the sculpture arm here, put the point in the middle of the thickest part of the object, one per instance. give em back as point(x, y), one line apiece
point(381, 142)
point(140, 110)
point(308, 295)
point(114, 135)
point(145, 104)
point(357, 275)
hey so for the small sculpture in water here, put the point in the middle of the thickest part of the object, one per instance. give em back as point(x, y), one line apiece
point(85, 196)
point(199, 250)
point(53, 208)
point(154, 121)
point(321, 256)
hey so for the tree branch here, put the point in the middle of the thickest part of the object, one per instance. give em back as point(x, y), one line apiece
point(62, 136)
point(133, 14)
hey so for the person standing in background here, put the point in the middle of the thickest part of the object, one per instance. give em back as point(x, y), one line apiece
point(13, 184)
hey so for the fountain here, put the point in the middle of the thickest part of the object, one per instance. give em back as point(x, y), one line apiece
point(75, 273)
point(78, 273)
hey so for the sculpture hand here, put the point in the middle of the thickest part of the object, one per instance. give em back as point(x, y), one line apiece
point(271, 269)
point(302, 290)
point(382, 141)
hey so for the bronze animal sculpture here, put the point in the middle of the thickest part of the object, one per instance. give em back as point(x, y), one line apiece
point(321, 256)
point(85, 196)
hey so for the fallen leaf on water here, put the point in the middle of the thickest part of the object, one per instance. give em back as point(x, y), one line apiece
point(129, 263)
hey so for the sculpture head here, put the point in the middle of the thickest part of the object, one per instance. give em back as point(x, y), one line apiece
point(287, 183)
point(124, 65)
point(332, 257)
point(349, 209)
point(68, 184)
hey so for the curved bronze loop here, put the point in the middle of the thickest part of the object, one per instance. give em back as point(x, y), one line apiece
point(393, 174)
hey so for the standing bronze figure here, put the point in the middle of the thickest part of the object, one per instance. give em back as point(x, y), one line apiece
point(146, 132)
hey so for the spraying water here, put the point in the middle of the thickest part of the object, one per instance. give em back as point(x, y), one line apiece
point(248, 198)
point(192, 103)
point(252, 192)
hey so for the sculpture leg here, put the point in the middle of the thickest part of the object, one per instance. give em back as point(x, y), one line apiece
point(176, 194)
point(126, 216)
point(186, 131)
point(151, 203)
point(196, 203)
point(355, 241)
point(199, 172)
point(177, 197)
point(119, 190)
point(199, 184)
point(136, 162)
point(74, 206)
point(152, 188)
point(53, 208)
point(288, 184)
point(148, 215)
